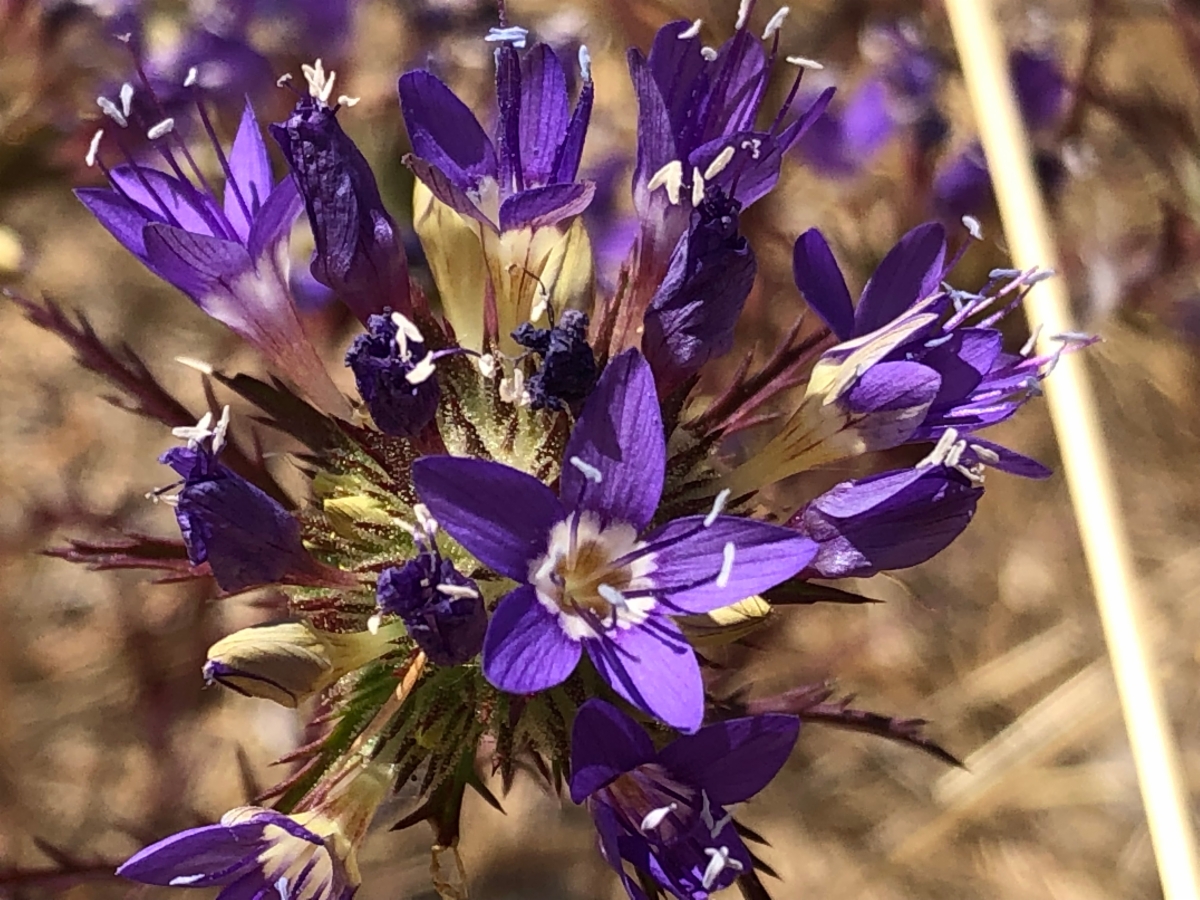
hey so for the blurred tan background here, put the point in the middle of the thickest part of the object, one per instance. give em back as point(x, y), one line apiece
point(108, 739)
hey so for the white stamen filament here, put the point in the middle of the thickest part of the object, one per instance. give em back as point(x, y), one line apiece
point(655, 817)
point(406, 331)
point(973, 227)
point(743, 14)
point(348, 102)
point(374, 622)
point(126, 97)
point(514, 34)
point(697, 187)
point(163, 128)
point(719, 163)
point(422, 371)
point(727, 554)
point(425, 519)
point(709, 53)
point(669, 176)
point(717, 508)
point(93, 148)
point(194, 73)
point(985, 454)
point(221, 432)
point(954, 457)
point(692, 30)
point(590, 472)
point(541, 303)
point(320, 85)
point(110, 109)
point(776, 22)
point(457, 590)
point(585, 62)
point(937, 456)
point(719, 861)
point(805, 63)
point(511, 389)
point(1028, 347)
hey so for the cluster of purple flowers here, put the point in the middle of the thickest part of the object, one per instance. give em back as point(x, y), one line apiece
point(520, 523)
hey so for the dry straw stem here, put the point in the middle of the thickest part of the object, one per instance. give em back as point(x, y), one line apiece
point(1085, 461)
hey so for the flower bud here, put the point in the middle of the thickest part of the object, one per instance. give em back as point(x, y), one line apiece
point(291, 661)
point(442, 609)
point(393, 371)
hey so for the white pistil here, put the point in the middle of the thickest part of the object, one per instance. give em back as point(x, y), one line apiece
point(93, 148)
point(655, 817)
point(1028, 347)
point(697, 187)
point(406, 331)
point(487, 365)
point(709, 53)
point(163, 128)
point(590, 472)
point(776, 22)
point(691, 31)
point(585, 62)
point(284, 889)
point(513, 34)
point(425, 519)
point(719, 163)
point(512, 389)
point(743, 14)
point(283, 79)
point(193, 74)
point(457, 591)
point(422, 371)
point(805, 63)
point(719, 861)
point(221, 432)
point(754, 145)
point(194, 434)
point(374, 622)
point(110, 109)
point(727, 554)
point(717, 508)
point(348, 102)
point(937, 456)
point(973, 227)
point(320, 85)
point(541, 302)
point(669, 176)
point(126, 97)
point(612, 596)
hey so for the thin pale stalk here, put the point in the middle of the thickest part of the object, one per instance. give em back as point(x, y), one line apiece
point(1085, 458)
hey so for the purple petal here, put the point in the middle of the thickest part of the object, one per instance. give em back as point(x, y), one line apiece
point(894, 386)
point(197, 264)
point(1010, 460)
point(251, 886)
point(542, 206)
point(273, 224)
point(251, 174)
point(173, 201)
point(525, 649)
point(653, 667)
point(733, 760)
point(866, 120)
point(807, 119)
point(820, 281)
point(499, 514)
point(963, 186)
point(604, 744)
point(444, 131)
point(544, 112)
point(619, 437)
point(508, 126)
point(910, 271)
point(609, 831)
point(1040, 86)
point(215, 853)
point(442, 187)
point(570, 151)
point(655, 140)
point(121, 218)
point(674, 64)
point(691, 558)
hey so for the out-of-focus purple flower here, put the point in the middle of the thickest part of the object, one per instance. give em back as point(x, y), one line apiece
point(358, 251)
point(251, 852)
point(441, 608)
point(693, 313)
point(848, 136)
point(243, 534)
point(587, 579)
point(395, 375)
point(229, 255)
point(663, 811)
point(891, 520)
point(568, 369)
point(526, 176)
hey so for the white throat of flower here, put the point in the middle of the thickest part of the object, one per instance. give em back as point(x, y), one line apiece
point(577, 580)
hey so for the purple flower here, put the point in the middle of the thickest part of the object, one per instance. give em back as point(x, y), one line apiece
point(693, 313)
point(587, 577)
point(891, 520)
point(568, 369)
point(441, 608)
point(525, 177)
point(230, 255)
point(243, 534)
point(664, 811)
point(358, 252)
point(849, 135)
point(395, 375)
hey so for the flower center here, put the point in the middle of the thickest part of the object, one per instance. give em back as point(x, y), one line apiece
point(578, 577)
point(651, 803)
